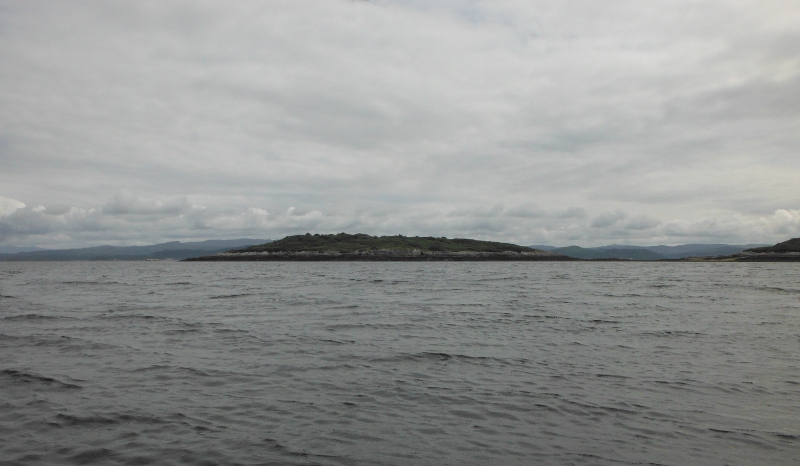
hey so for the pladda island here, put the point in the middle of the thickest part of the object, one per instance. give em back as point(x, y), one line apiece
point(362, 247)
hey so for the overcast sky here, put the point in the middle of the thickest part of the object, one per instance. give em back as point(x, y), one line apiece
point(556, 122)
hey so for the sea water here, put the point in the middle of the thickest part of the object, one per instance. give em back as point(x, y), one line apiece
point(554, 363)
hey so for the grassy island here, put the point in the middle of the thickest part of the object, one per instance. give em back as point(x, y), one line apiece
point(361, 242)
point(364, 247)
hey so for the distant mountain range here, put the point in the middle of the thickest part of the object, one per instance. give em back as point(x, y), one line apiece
point(172, 250)
point(619, 251)
point(16, 249)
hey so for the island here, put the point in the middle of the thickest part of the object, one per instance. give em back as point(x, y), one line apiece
point(787, 251)
point(362, 247)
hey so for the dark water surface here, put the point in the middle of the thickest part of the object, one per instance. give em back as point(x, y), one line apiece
point(399, 363)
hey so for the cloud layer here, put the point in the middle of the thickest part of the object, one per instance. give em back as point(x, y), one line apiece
point(525, 121)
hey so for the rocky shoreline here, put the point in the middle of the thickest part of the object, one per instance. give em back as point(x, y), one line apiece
point(749, 256)
point(386, 255)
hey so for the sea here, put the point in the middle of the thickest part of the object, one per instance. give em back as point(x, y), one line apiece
point(393, 363)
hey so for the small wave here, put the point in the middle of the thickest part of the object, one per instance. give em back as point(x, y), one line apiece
point(63, 420)
point(62, 341)
point(26, 377)
point(370, 326)
point(230, 296)
point(674, 333)
point(224, 331)
point(159, 367)
point(181, 331)
point(437, 356)
point(181, 371)
point(134, 316)
point(277, 447)
point(78, 282)
point(779, 289)
point(100, 455)
point(667, 382)
point(29, 317)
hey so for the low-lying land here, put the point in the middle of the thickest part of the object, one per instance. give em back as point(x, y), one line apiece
point(361, 247)
point(787, 251)
point(174, 250)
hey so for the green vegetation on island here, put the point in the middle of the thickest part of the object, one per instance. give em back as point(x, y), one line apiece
point(346, 243)
point(792, 245)
point(361, 247)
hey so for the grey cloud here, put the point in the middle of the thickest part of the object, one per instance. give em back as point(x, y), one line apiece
point(607, 219)
point(477, 212)
point(399, 116)
point(528, 211)
point(571, 212)
point(129, 204)
point(641, 222)
point(533, 211)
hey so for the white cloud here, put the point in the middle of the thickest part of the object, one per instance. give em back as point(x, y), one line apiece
point(783, 222)
point(8, 205)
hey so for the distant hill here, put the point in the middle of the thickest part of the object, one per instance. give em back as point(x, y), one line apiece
point(792, 245)
point(700, 250)
point(787, 251)
point(640, 254)
point(16, 249)
point(171, 250)
point(620, 251)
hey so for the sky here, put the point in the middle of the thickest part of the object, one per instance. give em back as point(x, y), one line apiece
point(585, 122)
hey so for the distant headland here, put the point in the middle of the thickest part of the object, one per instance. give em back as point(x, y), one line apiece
point(362, 247)
point(787, 251)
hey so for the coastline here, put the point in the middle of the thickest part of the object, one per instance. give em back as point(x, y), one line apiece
point(385, 255)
